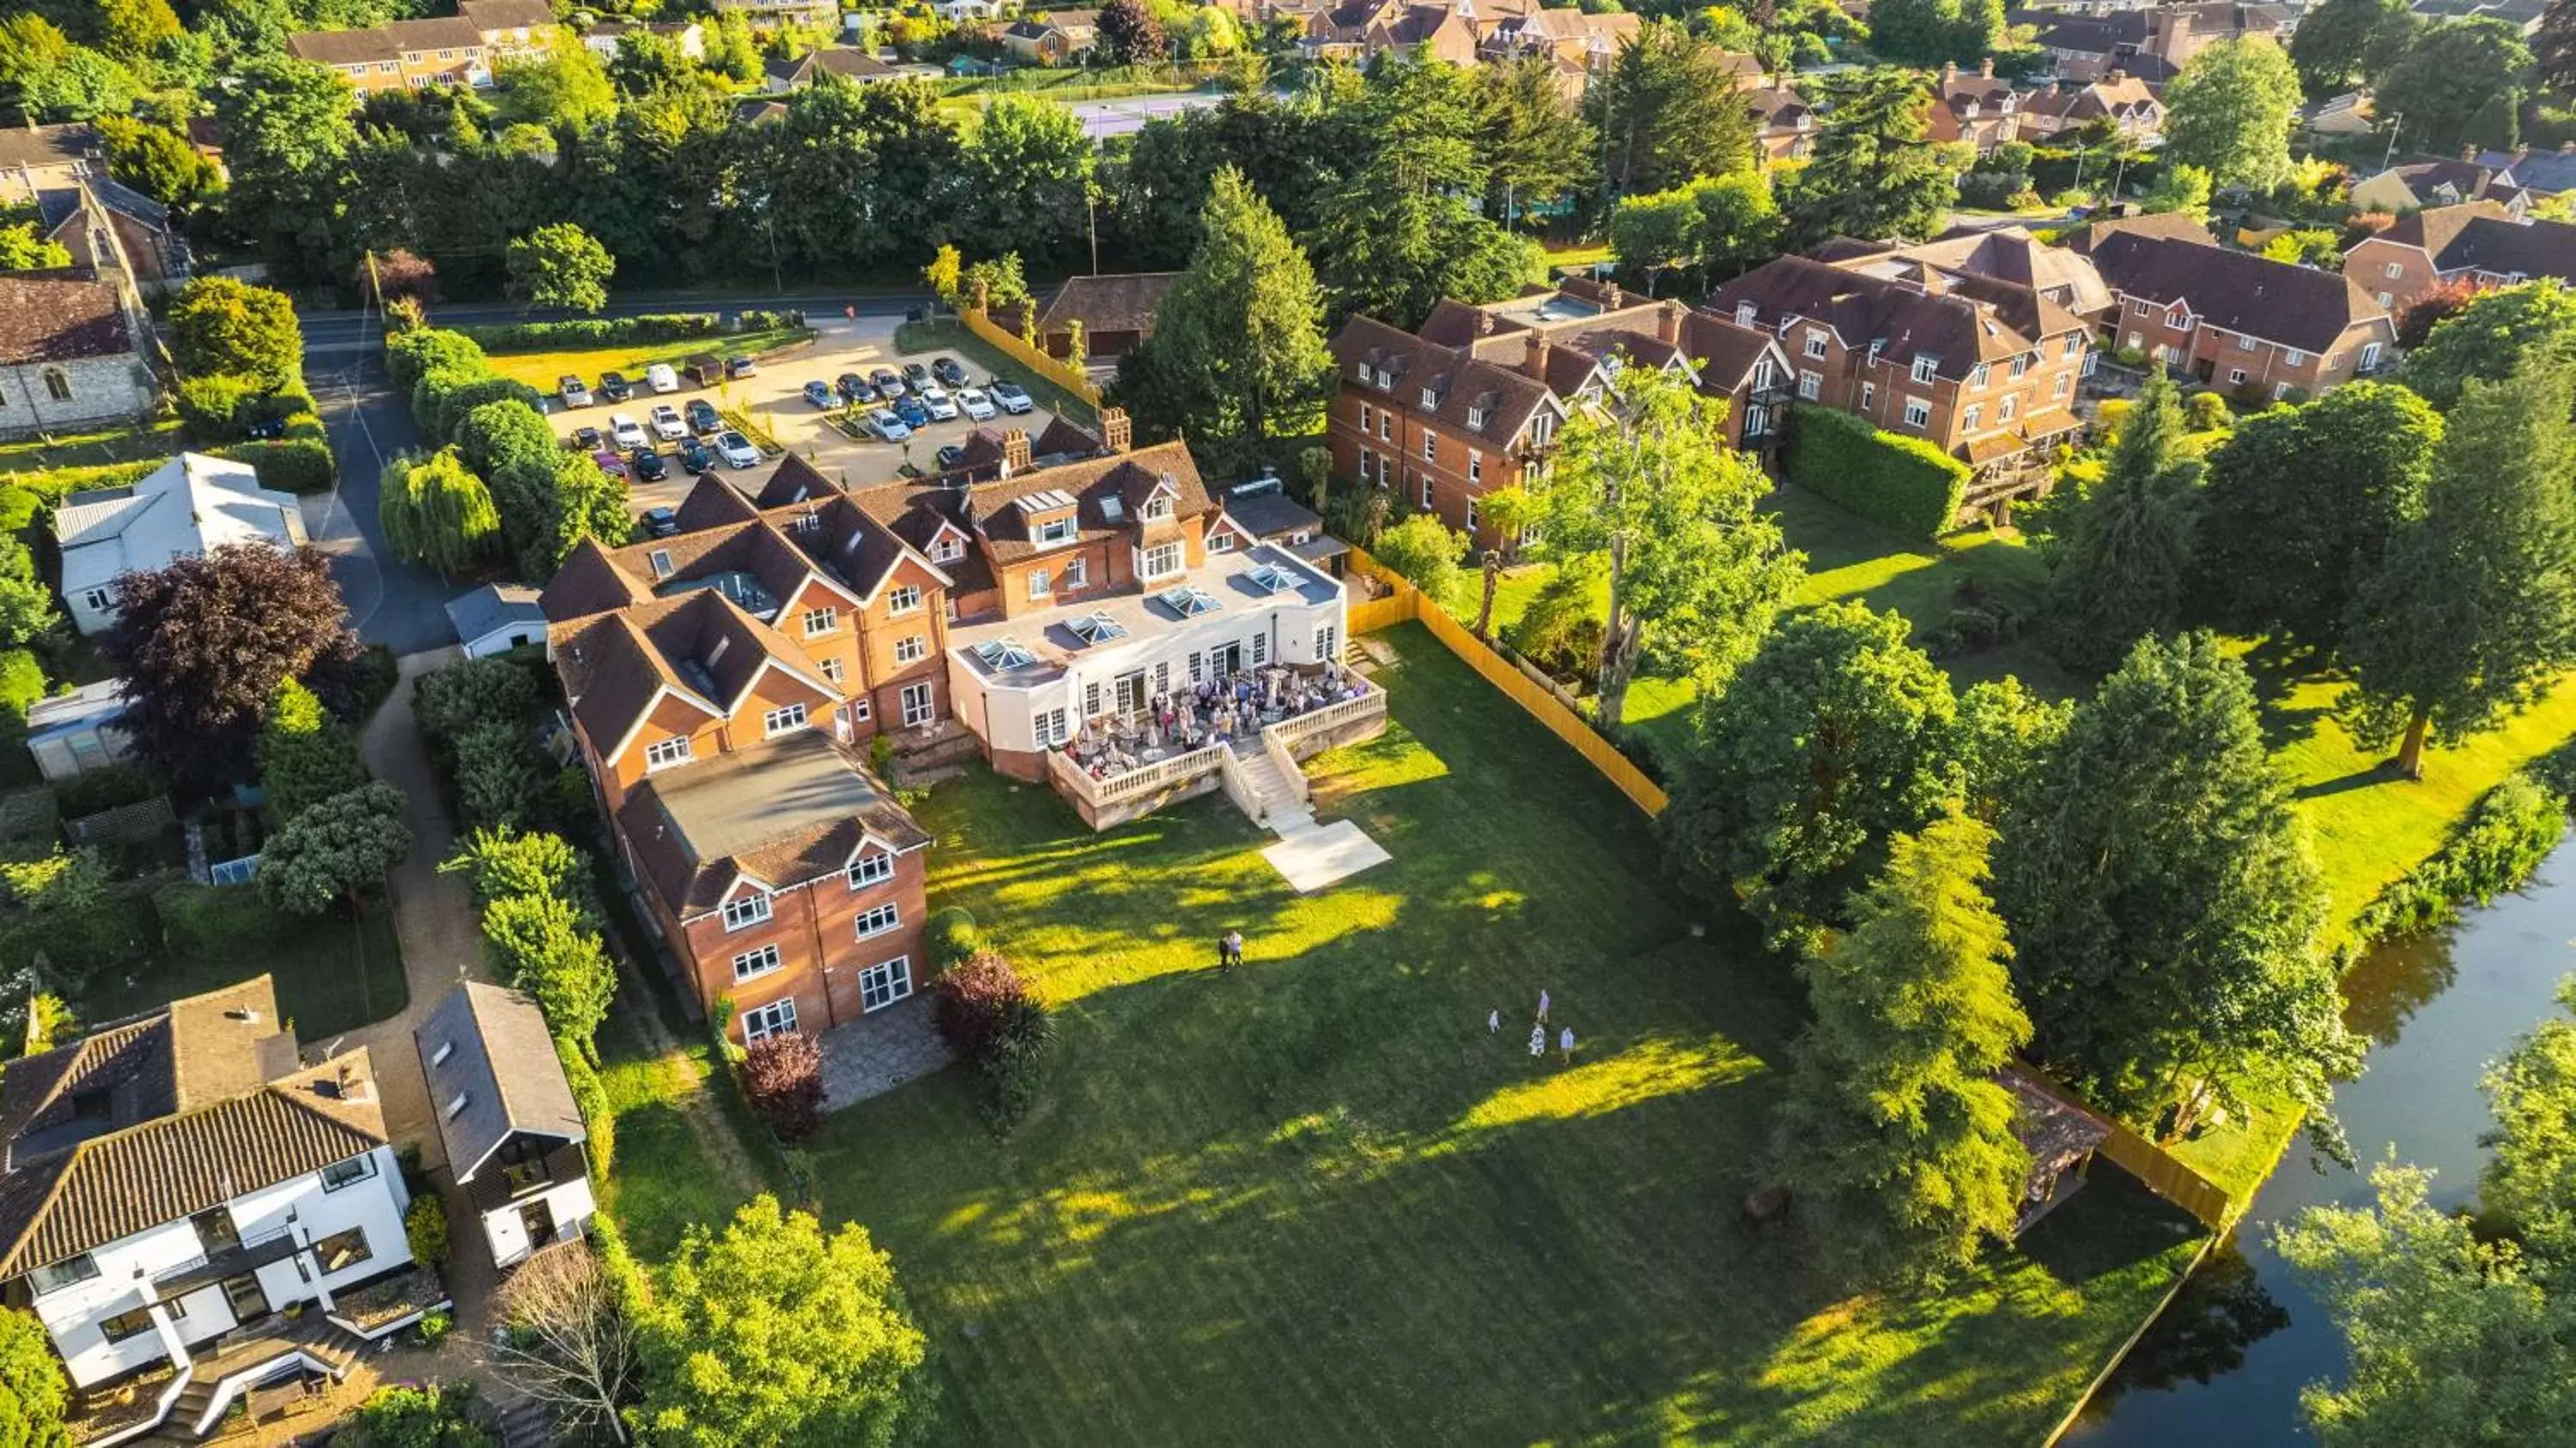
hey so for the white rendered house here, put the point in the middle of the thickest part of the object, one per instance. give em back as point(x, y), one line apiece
point(191, 1211)
point(507, 1119)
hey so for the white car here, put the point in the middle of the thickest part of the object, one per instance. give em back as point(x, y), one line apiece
point(573, 391)
point(1011, 398)
point(942, 407)
point(736, 450)
point(667, 425)
point(886, 425)
point(661, 378)
point(972, 402)
point(625, 431)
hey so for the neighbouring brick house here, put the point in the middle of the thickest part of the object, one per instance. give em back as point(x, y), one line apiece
point(1784, 125)
point(2418, 185)
point(2235, 320)
point(1116, 312)
point(1465, 32)
point(70, 352)
point(1470, 403)
point(1983, 367)
point(2130, 105)
point(460, 49)
point(1978, 109)
point(2152, 43)
point(2480, 243)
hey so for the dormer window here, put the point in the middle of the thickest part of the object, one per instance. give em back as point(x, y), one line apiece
point(1475, 417)
point(1744, 314)
point(947, 549)
point(1056, 530)
point(873, 868)
point(745, 911)
point(1925, 365)
point(1158, 508)
point(1430, 398)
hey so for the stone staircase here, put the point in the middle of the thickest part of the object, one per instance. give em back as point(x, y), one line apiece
point(527, 1423)
point(324, 1341)
point(1280, 808)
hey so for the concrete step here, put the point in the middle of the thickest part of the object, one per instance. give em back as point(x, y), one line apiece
point(527, 1423)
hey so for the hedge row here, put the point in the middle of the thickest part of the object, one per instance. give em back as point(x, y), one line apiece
point(289, 465)
point(1904, 482)
point(2494, 848)
point(595, 331)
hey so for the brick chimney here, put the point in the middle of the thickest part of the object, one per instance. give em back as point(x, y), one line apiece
point(1668, 321)
point(1115, 434)
point(2469, 152)
point(1534, 360)
point(1949, 73)
point(1614, 298)
point(1987, 70)
point(1015, 452)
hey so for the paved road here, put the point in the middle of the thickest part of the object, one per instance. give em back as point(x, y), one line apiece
point(394, 603)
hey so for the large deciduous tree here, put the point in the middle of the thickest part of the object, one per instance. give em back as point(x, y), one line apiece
point(2473, 608)
point(223, 325)
point(203, 643)
point(1928, 32)
point(1875, 172)
point(771, 1333)
point(1834, 738)
point(34, 1394)
point(436, 513)
point(2491, 337)
point(1893, 1132)
point(2341, 44)
point(571, 1342)
point(2230, 112)
point(2300, 505)
point(1032, 164)
point(2163, 902)
point(560, 265)
point(2553, 46)
point(1239, 340)
point(2530, 1181)
point(2445, 76)
point(1131, 34)
point(1696, 571)
point(305, 755)
point(336, 849)
point(290, 131)
point(2120, 566)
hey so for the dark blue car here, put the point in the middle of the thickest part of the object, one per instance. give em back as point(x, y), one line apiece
point(909, 408)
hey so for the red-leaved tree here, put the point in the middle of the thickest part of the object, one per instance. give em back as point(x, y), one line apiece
point(202, 645)
point(783, 1077)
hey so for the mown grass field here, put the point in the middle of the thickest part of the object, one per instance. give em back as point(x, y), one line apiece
point(540, 369)
point(88, 450)
point(1316, 1202)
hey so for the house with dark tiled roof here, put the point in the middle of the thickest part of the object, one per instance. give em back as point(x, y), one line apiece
point(2236, 320)
point(2125, 102)
point(461, 49)
point(2152, 44)
point(2480, 243)
point(1116, 313)
point(1979, 109)
point(2417, 185)
point(511, 1134)
point(2536, 175)
point(71, 351)
point(173, 1184)
point(1946, 344)
point(1052, 37)
point(848, 62)
point(1784, 125)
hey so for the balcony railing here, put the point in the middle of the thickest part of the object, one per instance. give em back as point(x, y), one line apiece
point(1315, 721)
point(1144, 779)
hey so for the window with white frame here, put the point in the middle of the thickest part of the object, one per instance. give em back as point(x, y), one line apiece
point(1969, 419)
point(911, 649)
point(1157, 508)
point(1091, 700)
point(1744, 313)
point(1077, 573)
point(2011, 404)
point(1471, 515)
point(1475, 466)
point(821, 621)
point(2235, 376)
point(1925, 366)
point(1364, 417)
point(902, 599)
point(1811, 385)
point(947, 550)
point(832, 669)
point(1917, 412)
point(879, 919)
point(99, 600)
point(2020, 365)
point(859, 707)
point(1326, 636)
point(1430, 448)
point(882, 985)
point(2139, 309)
point(785, 720)
point(2296, 358)
point(1385, 427)
point(660, 561)
point(1815, 343)
point(1040, 584)
point(1426, 492)
point(2058, 388)
point(1260, 648)
point(2393, 270)
point(1049, 724)
point(2369, 355)
point(1868, 395)
point(2074, 343)
point(1056, 530)
point(1978, 377)
point(1220, 540)
point(1198, 667)
point(753, 964)
point(873, 868)
point(1162, 560)
point(776, 1018)
point(663, 753)
point(747, 909)
point(2244, 342)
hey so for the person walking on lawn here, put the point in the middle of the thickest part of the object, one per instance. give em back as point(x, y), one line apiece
point(1542, 1005)
point(1538, 1041)
point(1231, 949)
point(1565, 1044)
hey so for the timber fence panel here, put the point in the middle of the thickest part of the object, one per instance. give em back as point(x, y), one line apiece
point(1071, 379)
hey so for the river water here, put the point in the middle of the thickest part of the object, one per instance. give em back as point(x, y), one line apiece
point(2224, 1365)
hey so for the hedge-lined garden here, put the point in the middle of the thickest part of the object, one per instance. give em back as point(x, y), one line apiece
point(1905, 483)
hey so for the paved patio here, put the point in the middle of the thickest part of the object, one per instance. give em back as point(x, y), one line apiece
point(880, 1051)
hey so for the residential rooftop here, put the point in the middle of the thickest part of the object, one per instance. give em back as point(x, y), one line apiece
point(1043, 644)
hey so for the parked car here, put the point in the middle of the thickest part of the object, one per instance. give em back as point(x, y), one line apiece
point(741, 366)
point(610, 463)
point(659, 522)
point(819, 394)
point(950, 371)
point(1011, 397)
point(886, 425)
point(573, 391)
point(916, 376)
point(951, 455)
point(696, 457)
point(625, 431)
point(854, 388)
point(649, 467)
point(667, 425)
point(911, 411)
point(973, 402)
point(661, 378)
point(702, 417)
point(705, 369)
point(585, 439)
point(942, 407)
point(736, 450)
point(888, 383)
point(613, 387)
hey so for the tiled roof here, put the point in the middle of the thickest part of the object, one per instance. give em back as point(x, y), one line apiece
point(699, 645)
point(2480, 236)
point(1961, 321)
point(60, 316)
point(2294, 306)
point(2467, 178)
point(488, 1047)
point(2171, 225)
point(711, 502)
point(785, 812)
point(2008, 254)
point(1121, 302)
point(61, 145)
point(145, 1121)
point(508, 14)
point(1505, 397)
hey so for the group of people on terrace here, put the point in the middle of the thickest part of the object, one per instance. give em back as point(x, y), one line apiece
point(1218, 710)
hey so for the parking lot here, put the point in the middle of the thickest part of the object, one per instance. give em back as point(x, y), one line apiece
point(773, 399)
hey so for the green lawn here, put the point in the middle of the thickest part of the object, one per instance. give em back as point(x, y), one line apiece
point(1317, 1202)
point(332, 976)
point(540, 369)
point(122, 445)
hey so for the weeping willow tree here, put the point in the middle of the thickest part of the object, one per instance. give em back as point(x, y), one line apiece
point(436, 512)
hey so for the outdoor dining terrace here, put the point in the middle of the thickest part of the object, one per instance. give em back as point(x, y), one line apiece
point(1120, 767)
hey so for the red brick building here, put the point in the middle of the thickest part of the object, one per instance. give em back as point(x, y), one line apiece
point(2238, 321)
point(2478, 242)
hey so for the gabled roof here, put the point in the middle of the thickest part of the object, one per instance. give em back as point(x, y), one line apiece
point(191, 504)
point(1960, 321)
point(1121, 302)
point(62, 145)
point(2467, 178)
point(488, 1048)
point(494, 607)
point(782, 812)
point(1505, 397)
point(1109, 493)
point(508, 14)
point(846, 61)
point(147, 1120)
point(698, 647)
point(2170, 225)
point(2480, 236)
point(2293, 306)
point(2007, 254)
point(60, 316)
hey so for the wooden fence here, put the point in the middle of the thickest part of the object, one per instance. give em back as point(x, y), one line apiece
point(2160, 1170)
point(1071, 379)
point(1405, 602)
